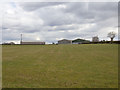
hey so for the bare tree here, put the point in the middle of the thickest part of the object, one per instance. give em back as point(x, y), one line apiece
point(111, 35)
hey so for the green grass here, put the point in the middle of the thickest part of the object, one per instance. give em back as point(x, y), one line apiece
point(60, 66)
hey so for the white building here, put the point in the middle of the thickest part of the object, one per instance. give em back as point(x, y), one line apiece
point(95, 39)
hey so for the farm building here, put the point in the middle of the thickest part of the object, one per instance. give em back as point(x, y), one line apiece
point(11, 43)
point(32, 43)
point(65, 41)
point(80, 41)
point(95, 39)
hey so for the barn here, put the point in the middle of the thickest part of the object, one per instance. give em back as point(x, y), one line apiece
point(65, 41)
point(80, 41)
point(32, 43)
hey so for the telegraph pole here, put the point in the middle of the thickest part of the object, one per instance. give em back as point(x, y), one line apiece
point(21, 39)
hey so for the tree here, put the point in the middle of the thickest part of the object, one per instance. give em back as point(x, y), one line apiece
point(111, 35)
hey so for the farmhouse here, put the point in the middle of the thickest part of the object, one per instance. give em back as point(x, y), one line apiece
point(65, 41)
point(95, 39)
point(32, 43)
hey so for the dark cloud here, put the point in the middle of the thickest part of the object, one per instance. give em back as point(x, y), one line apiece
point(31, 6)
point(50, 21)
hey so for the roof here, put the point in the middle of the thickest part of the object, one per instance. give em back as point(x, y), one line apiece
point(32, 41)
point(80, 40)
point(65, 40)
point(95, 37)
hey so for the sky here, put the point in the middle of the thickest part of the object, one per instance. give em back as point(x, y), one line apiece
point(53, 21)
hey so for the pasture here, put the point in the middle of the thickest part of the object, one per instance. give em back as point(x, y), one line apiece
point(60, 66)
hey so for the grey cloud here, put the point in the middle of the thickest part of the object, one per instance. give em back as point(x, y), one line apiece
point(93, 10)
point(31, 6)
point(47, 22)
point(66, 27)
point(54, 17)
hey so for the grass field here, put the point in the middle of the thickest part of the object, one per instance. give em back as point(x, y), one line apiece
point(60, 66)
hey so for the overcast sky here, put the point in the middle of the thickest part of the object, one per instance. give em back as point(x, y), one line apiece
point(53, 21)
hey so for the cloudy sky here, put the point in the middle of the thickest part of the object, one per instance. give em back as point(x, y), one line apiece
point(53, 21)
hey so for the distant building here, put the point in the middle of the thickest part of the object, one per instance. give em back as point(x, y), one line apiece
point(80, 41)
point(65, 41)
point(32, 43)
point(95, 39)
point(11, 43)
